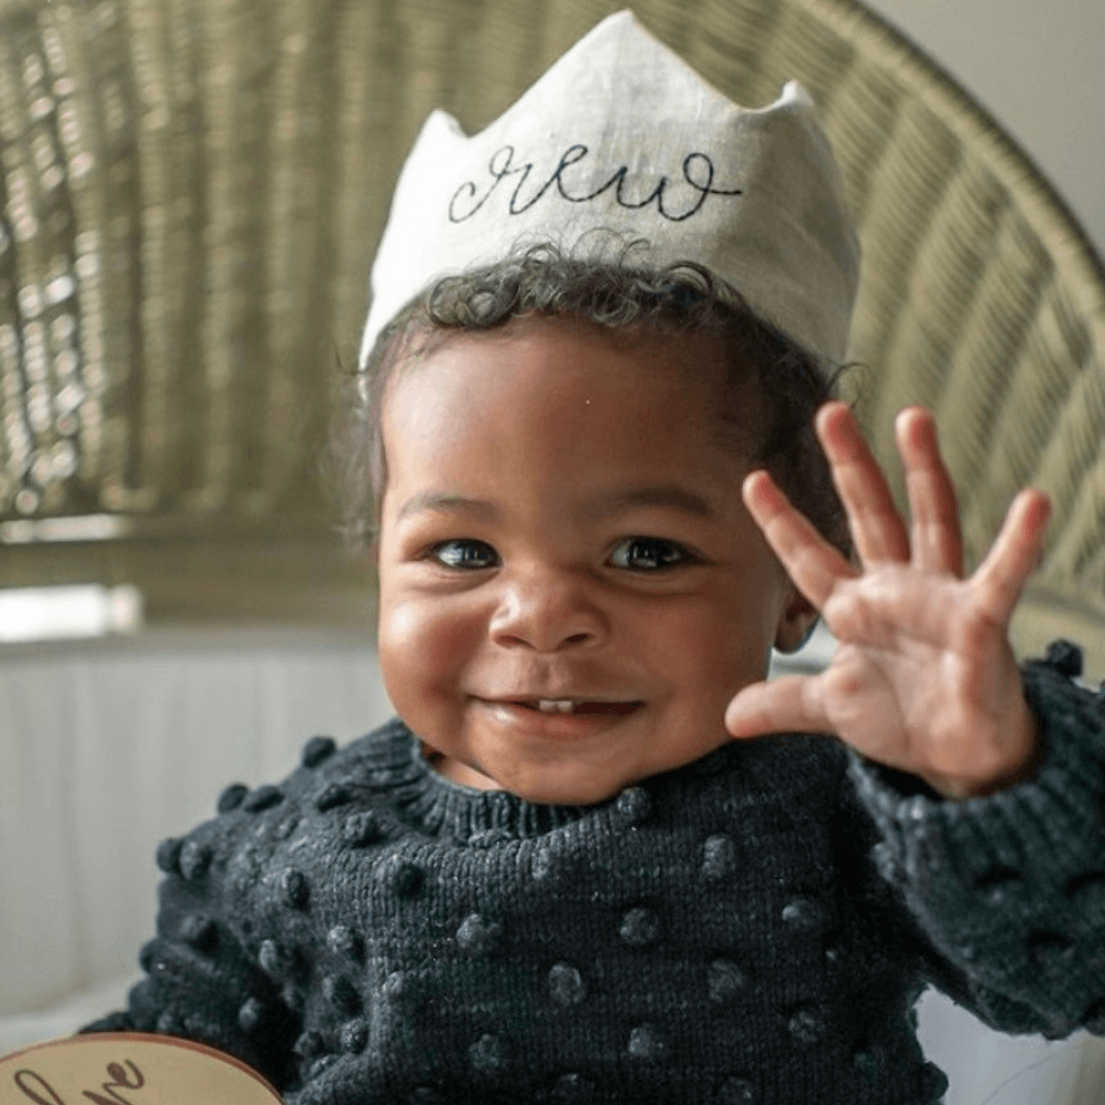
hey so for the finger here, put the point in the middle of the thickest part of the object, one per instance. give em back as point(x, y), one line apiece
point(877, 530)
point(1001, 577)
point(810, 561)
point(935, 538)
point(788, 705)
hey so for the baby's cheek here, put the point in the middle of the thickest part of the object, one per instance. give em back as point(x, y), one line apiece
point(424, 646)
point(717, 653)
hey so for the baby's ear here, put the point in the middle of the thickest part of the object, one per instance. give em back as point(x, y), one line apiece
point(796, 622)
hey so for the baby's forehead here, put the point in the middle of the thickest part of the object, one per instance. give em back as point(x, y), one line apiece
point(688, 375)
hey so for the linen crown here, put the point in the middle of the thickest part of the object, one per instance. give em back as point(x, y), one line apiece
point(622, 140)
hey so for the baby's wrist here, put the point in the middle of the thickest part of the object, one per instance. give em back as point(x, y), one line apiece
point(1026, 753)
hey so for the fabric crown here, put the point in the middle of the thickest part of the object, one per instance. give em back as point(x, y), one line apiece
point(621, 140)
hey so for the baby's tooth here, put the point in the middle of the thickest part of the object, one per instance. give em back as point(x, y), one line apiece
point(555, 705)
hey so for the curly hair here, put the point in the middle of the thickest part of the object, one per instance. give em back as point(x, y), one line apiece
point(682, 298)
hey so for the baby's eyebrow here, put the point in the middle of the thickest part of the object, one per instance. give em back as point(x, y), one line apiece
point(445, 502)
point(671, 496)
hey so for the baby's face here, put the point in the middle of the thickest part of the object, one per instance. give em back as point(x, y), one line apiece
point(571, 588)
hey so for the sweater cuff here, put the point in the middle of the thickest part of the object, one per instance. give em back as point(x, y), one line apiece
point(1009, 887)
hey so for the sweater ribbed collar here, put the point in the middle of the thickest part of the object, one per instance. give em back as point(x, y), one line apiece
point(394, 765)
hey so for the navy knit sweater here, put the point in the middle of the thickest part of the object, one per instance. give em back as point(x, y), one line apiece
point(752, 928)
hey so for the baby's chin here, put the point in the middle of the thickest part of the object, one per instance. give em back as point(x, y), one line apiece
point(558, 786)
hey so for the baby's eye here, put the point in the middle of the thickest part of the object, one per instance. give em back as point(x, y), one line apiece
point(649, 554)
point(465, 554)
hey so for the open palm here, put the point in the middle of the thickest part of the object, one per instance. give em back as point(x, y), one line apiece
point(924, 679)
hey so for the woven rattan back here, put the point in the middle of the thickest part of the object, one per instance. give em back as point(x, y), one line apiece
point(191, 196)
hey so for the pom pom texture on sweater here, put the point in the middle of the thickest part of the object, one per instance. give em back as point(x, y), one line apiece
point(752, 928)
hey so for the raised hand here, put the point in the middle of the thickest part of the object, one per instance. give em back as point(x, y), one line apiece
point(924, 679)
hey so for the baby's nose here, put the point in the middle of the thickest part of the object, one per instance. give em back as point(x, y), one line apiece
point(548, 611)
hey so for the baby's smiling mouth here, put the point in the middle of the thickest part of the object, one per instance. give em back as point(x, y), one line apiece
point(576, 706)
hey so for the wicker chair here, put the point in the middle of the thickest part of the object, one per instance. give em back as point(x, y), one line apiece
point(192, 194)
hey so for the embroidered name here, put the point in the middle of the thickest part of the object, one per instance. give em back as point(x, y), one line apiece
point(698, 173)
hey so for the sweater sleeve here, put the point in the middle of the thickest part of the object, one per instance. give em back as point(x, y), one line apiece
point(203, 979)
point(1009, 889)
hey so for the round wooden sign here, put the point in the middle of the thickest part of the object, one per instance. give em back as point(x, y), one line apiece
point(129, 1068)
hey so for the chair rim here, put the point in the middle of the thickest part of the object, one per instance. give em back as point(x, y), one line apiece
point(978, 127)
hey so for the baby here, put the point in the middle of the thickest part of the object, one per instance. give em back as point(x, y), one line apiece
point(588, 420)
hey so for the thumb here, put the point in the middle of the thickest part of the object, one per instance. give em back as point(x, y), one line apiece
point(788, 705)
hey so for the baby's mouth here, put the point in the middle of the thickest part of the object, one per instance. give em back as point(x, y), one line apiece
point(572, 706)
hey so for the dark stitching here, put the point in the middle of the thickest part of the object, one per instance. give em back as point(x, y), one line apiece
point(502, 166)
